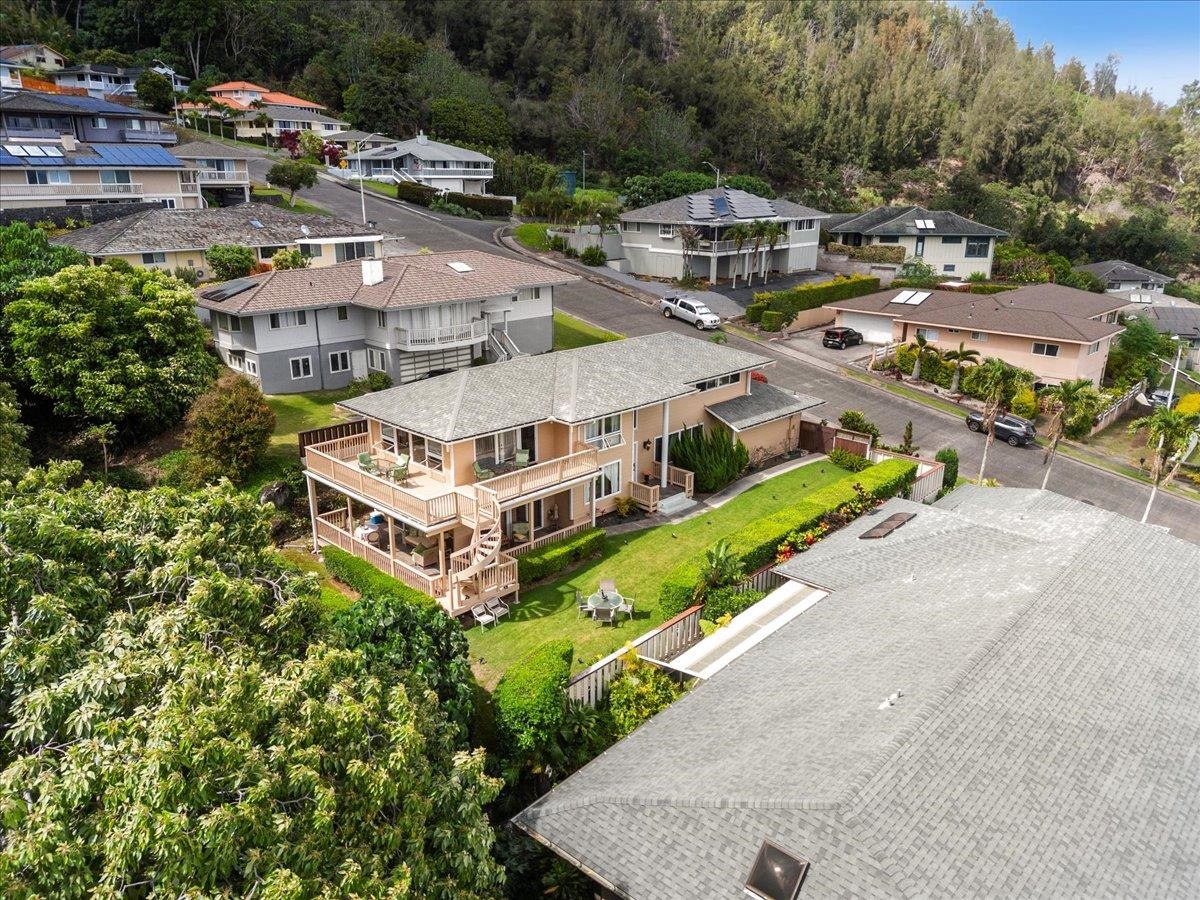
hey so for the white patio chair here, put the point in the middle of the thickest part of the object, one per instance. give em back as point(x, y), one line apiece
point(605, 614)
point(626, 607)
point(496, 607)
point(608, 585)
point(482, 616)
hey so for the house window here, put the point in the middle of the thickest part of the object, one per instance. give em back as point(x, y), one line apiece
point(301, 367)
point(99, 122)
point(265, 253)
point(288, 319)
point(376, 361)
point(503, 446)
point(1111, 318)
point(948, 267)
point(666, 231)
point(1114, 285)
point(1040, 349)
point(605, 484)
point(1093, 348)
point(953, 239)
point(721, 381)
point(634, 227)
point(602, 433)
point(149, 259)
point(237, 361)
point(339, 361)
point(111, 176)
point(381, 318)
point(251, 367)
point(535, 293)
point(226, 322)
point(352, 250)
point(977, 247)
point(1148, 285)
point(433, 455)
point(343, 313)
point(168, 202)
point(889, 239)
point(48, 177)
point(979, 336)
point(310, 250)
point(135, 124)
point(930, 334)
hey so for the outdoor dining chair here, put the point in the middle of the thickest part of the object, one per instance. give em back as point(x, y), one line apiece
point(367, 464)
point(496, 607)
point(481, 615)
point(626, 607)
point(581, 604)
point(399, 471)
point(605, 614)
point(481, 473)
point(522, 459)
point(608, 585)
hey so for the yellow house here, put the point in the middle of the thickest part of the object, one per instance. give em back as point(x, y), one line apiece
point(443, 482)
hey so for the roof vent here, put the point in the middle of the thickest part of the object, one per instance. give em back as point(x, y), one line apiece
point(68, 142)
point(256, 223)
point(372, 271)
point(460, 266)
point(776, 874)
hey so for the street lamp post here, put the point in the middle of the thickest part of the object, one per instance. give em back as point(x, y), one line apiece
point(1162, 437)
point(362, 190)
point(715, 169)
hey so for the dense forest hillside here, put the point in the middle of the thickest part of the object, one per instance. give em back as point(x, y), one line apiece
point(840, 103)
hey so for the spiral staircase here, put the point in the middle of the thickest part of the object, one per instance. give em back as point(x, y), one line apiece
point(480, 571)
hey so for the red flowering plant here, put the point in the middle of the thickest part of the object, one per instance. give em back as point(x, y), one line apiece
point(758, 376)
point(290, 141)
point(799, 541)
point(330, 154)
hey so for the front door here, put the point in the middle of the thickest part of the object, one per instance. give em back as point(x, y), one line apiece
point(920, 245)
point(358, 363)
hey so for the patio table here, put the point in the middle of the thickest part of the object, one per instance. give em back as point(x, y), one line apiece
point(605, 600)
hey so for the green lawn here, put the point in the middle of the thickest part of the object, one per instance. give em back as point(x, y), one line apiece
point(298, 205)
point(638, 562)
point(533, 236)
point(299, 412)
point(570, 332)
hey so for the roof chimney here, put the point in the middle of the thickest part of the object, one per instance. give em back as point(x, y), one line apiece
point(421, 139)
point(372, 270)
point(68, 142)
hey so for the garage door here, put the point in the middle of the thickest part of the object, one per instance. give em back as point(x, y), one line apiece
point(875, 329)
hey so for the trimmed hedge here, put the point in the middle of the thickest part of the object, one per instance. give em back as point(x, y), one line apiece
point(850, 461)
point(754, 312)
point(757, 542)
point(496, 207)
point(415, 193)
point(552, 558)
point(884, 253)
point(771, 320)
point(530, 699)
point(368, 580)
point(948, 457)
point(728, 600)
point(811, 296)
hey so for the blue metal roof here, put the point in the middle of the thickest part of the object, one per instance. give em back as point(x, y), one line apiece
point(7, 159)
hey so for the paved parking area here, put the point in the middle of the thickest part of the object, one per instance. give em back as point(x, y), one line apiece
point(809, 343)
point(744, 295)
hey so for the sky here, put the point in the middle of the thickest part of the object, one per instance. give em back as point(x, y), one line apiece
point(1158, 40)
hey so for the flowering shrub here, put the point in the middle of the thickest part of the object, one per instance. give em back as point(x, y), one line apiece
point(759, 377)
point(799, 541)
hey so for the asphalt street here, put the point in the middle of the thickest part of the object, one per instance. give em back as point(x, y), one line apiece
point(932, 429)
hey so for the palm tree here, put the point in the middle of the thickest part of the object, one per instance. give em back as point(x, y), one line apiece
point(739, 234)
point(1064, 403)
point(772, 231)
point(689, 237)
point(921, 345)
point(959, 357)
point(1171, 432)
point(999, 382)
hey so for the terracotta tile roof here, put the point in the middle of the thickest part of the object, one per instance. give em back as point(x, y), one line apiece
point(417, 280)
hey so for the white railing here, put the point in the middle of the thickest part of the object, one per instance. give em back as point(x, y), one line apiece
point(328, 532)
point(219, 177)
point(930, 474)
point(80, 189)
point(446, 173)
point(144, 136)
point(444, 336)
point(667, 640)
point(747, 248)
point(544, 539)
point(581, 463)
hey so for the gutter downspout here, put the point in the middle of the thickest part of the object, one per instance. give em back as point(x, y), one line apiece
point(317, 326)
point(666, 445)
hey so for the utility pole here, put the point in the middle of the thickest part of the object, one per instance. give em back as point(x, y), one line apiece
point(715, 169)
point(362, 190)
point(1161, 437)
point(584, 152)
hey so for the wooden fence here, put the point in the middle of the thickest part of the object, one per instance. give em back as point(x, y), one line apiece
point(817, 438)
point(1118, 409)
point(668, 639)
point(330, 433)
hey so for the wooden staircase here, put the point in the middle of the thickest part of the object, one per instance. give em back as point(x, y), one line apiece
point(480, 571)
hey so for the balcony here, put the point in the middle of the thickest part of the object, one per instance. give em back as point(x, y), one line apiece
point(143, 136)
point(747, 247)
point(430, 172)
point(467, 333)
point(217, 177)
point(81, 190)
point(9, 133)
point(579, 464)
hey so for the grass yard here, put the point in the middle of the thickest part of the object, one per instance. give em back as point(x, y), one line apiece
point(299, 412)
point(570, 332)
point(638, 562)
point(298, 205)
point(332, 597)
point(533, 236)
point(376, 187)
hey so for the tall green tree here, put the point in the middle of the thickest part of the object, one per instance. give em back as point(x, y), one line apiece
point(292, 175)
point(960, 357)
point(1169, 433)
point(1071, 406)
point(26, 253)
point(998, 383)
point(155, 91)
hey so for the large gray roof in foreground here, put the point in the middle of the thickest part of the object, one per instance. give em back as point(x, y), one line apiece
point(1045, 745)
point(567, 386)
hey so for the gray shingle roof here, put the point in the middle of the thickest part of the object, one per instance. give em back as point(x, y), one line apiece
point(199, 229)
point(1049, 658)
point(288, 114)
point(1183, 320)
point(765, 403)
point(698, 209)
point(1119, 270)
point(568, 386)
point(212, 150)
point(423, 149)
point(901, 220)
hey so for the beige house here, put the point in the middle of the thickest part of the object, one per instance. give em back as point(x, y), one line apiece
point(42, 57)
point(1057, 332)
point(169, 239)
point(950, 243)
point(222, 170)
point(506, 457)
point(66, 171)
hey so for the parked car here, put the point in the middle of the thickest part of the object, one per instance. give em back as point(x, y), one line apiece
point(841, 338)
point(689, 309)
point(1162, 398)
point(1009, 428)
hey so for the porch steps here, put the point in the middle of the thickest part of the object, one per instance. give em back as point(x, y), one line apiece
point(674, 504)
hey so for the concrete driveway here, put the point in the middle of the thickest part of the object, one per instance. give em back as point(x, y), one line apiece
point(809, 343)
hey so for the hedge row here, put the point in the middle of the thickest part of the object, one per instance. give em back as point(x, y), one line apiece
point(530, 698)
point(884, 253)
point(810, 296)
point(756, 543)
point(545, 561)
point(368, 580)
point(415, 193)
point(496, 207)
point(727, 600)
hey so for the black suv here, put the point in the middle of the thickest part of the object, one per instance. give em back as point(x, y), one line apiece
point(841, 338)
point(1009, 428)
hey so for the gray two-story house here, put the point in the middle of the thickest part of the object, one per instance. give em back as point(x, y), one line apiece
point(32, 115)
point(711, 234)
point(406, 316)
point(1119, 276)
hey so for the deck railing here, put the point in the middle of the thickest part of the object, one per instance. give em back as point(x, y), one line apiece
point(645, 495)
point(550, 538)
point(74, 189)
point(681, 478)
point(472, 332)
point(329, 532)
point(930, 474)
point(337, 460)
point(668, 639)
point(544, 475)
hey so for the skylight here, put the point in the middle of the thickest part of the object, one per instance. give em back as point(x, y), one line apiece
point(925, 223)
point(902, 297)
point(918, 298)
point(256, 223)
point(460, 266)
point(887, 526)
point(776, 874)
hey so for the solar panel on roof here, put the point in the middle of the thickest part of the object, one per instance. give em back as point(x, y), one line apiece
point(720, 205)
point(229, 289)
point(887, 526)
point(918, 298)
point(902, 297)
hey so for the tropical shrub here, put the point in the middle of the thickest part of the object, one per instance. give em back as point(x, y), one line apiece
point(1025, 403)
point(531, 698)
point(228, 430)
point(721, 568)
point(625, 506)
point(14, 455)
point(754, 311)
point(885, 253)
point(854, 420)
point(728, 601)
point(810, 296)
point(593, 256)
point(230, 260)
point(552, 558)
point(26, 253)
point(844, 459)
point(368, 580)
point(292, 175)
point(492, 207)
point(289, 258)
point(441, 204)
point(188, 275)
point(715, 457)
point(641, 690)
point(375, 381)
point(1189, 404)
point(420, 194)
point(948, 457)
point(771, 320)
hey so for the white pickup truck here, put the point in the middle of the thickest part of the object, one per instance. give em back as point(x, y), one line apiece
point(689, 309)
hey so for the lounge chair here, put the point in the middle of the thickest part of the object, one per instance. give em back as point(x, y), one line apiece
point(399, 471)
point(522, 459)
point(626, 607)
point(605, 614)
point(496, 607)
point(608, 586)
point(367, 464)
point(482, 473)
point(520, 532)
point(482, 616)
